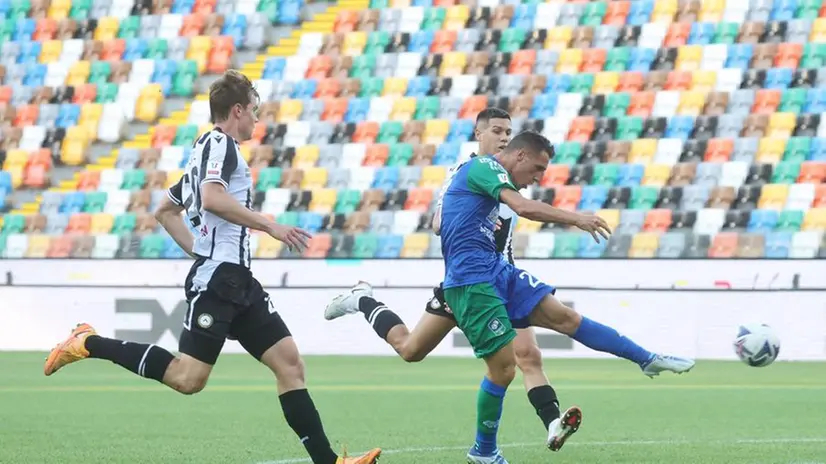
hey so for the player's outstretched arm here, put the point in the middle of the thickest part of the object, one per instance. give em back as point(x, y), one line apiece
point(543, 212)
point(170, 218)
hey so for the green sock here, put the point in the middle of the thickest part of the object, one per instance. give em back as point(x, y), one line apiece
point(488, 412)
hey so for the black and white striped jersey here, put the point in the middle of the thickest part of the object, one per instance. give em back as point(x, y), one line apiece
point(216, 157)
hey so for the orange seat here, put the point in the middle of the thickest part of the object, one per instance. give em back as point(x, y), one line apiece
point(220, 55)
point(473, 106)
point(5, 94)
point(630, 81)
point(719, 150)
point(657, 220)
point(616, 13)
point(677, 35)
point(642, 103)
point(419, 199)
point(163, 136)
point(328, 88)
point(593, 60)
point(88, 181)
point(79, 223)
point(376, 155)
point(567, 197)
point(820, 196)
point(85, 93)
point(346, 21)
point(443, 41)
point(812, 172)
point(113, 50)
point(766, 101)
point(334, 109)
point(193, 25)
point(319, 67)
point(788, 55)
point(60, 247)
point(679, 80)
point(556, 175)
point(522, 62)
point(26, 115)
point(366, 132)
point(45, 30)
point(204, 6)
point(581, 129)
point(724, 245)
point(319, 246)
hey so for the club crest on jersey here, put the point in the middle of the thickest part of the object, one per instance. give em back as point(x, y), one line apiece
point(214, 168)
point(496, 326)
point(205, 320)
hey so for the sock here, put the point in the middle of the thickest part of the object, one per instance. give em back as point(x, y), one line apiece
point(379, 316)
point(603, 338)
point(303, 418)
point(543, 399)
point(146, 360)
point(488, 412)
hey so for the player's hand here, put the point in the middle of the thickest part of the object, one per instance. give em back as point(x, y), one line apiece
point(295, 238)
point(498, 224)
point(594, 225)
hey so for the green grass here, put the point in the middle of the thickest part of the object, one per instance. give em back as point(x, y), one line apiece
point(726, 413)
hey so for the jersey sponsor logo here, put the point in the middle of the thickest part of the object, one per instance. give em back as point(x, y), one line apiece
point(503, 178)
point(496, 326)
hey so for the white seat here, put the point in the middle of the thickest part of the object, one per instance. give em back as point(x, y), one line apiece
point(297, 133)
point(16, 246)
point(128, 94)
point(56, 74)
point(714, 57)
point(556, 129)
point(405, 222)
point(468, 148)
point(805, 244)
point(709, 221)
point(32, 138)
point(106, 246)
point(668, 151)
point(361, 178)
point(380, 109)
point(800, 197)
point(464, 86)
point(540, 245)
point(116, 202)
point(170, 158)
point(72, 51)
point(276, 201)
point(110, 180)
point(734, 174)
point(652, 35)
point(170, 26)
point(411, 20)
point(352, 155)
point(264, 88)
point(665, 104)
point(310, 44)
point(199, 111)
point(568, 105)
point(112, 123)
point(141, 74)
point(728, 80)
point(408, 64)
point(296, 68)
point(547, 15)
point(121, 9)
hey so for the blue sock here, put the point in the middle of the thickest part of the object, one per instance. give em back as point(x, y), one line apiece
point(603, 338)
point(488, 413)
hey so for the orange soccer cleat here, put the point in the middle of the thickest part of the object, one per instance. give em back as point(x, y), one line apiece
point(369, 458)
point(71, 350)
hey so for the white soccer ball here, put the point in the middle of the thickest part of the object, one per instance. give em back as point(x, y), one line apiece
point(757, 345)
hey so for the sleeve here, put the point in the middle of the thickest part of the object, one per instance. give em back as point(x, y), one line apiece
point(175, 193)
point(487, 177)
point(222, 160)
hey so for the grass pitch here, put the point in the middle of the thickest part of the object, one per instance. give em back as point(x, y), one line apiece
point(722, 412)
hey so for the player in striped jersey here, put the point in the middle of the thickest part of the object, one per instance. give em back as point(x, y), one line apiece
point(493, 131)
point(225, 300)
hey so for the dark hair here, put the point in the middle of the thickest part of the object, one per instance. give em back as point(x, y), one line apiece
point(531, 141)
point(492, 113)
point(233, 88)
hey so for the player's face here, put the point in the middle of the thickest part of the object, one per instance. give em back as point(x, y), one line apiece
point(529, 168)
point(493, 136)
point(247, 120)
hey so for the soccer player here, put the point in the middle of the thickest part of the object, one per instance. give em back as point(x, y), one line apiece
point(493, 131)
point(225, 300)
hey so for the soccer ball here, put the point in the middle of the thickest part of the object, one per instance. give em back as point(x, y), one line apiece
point(757, 345)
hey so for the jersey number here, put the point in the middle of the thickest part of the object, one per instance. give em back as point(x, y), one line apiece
point(193, 183)
point(531, 279)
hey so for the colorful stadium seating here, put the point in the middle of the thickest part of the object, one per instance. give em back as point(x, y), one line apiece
point(694, 128)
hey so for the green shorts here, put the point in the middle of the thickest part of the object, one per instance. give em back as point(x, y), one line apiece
point(482, 316)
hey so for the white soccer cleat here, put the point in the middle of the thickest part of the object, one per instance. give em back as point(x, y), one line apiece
point(347, 303)
point(563, 427)
point(474, 457)
point(661, 363)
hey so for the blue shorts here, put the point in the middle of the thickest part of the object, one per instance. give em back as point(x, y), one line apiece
point(520, 292)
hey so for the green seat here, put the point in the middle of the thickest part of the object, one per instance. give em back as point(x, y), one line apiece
point(566, 244)
point(593, 14)
point(786, 172)
point(726, 33)
point(270, 10)
point(617, 59)
point(605, 174)
point(14, 223)
point(185, 135)
point(616, 105)
point(371, 87)
point(797, 149)
point(124, 224)
point(379, 4)
point(389, 132)
point(363, 67)
point(134, 179)
point(107, 93)
point(288, 218)
point(377, 42)
point(347, 201)
point(80, 9)
point(792, 101)
point(582, 83)
point(643, 197)
point(365, 245)
point(152, 246)
point(568, 153)
point(427, 108)
point(157, 49)
point(129, 28)
point(808, 9)
point(511, 40)
point(3, 238)
point(184, 82)
point(789, 221)
point(268, 178)
point(95, 202)
point(433, 19)
point(20, 9)
point(814, 56)
point(6, 30)
point(400, 154)
point(99, 72)
point(629, 128)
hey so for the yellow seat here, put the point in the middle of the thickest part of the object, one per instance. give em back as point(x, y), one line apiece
point(703, 81)
point(415, 245)
point(818, 34)
point(73, 150)
point(570, 60)
point(306, 156)
point(435, 131)
point(149, 103)
point(453, 64)
point(107, 28)
point(199, 48)
point(456, 17)
point(38, 246)
point(691, 103)
point(644, 245)
point(711, 11)
point(78, 73)
point(689, 58)
point(664, 11)
point(432, 177)
point(656, 175)
point(290, 110)
point(324, 199)
point(354, 43)
point(815, 219)
point(314, 178)
point(268, 247)
point(172, 177)
point(90, 114)
point(527, 226)
point(773, 196)
point(246, 150)
point(781, 125)
point(16, 173)
point(770, 150)
point(394, 87)
point(403, 109)
point(51, 51)
point(606, 82)
point(611, 217)
point(59, 9)
point(15, 158)
point(642, 151)
point(101, 223)
point(558, 38)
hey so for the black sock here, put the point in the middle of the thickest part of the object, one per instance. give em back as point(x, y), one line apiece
point(303, 418)
point(148, 361)
point(543, 399)
point(379, 316)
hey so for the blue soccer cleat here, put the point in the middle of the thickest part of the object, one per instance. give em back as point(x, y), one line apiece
point(474, 457)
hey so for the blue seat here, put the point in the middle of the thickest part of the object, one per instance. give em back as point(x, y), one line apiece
point(523, 16)
point(289, 12)
point(461, 130)
point(390, 246)
point(680, 127)
point(420, 42)
point(815, 101)
point(5, 182)
point(73, 202)
point(164, 74)
point(701, 33)
point(593, 197)
point(5, 7)
point(135, 49)
point(558, 83)
point(274, 68)
point(708, 174)
point(418, 86)
point(171, 250)
point(24, 30)
point(447, 154)
point(778, 244)
point(35, 75)
point(386, 178)
point(423, 3)
point(783, 10)
point(235, 26)
point(544, 106)
point(304, 89)
point(68, 115)
point(739, 56)
point(640, 12)
point(310, 222)
point(818, 149)
point(29, 52)
point(641, 59)
point(2, 204)
point(182, 7)
point(630, 175)
point(357, 109)
point(778, 78)
point(184, 157)
point(588, 248)
point(762, 220)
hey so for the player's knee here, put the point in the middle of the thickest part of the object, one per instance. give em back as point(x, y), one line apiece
point(529, 358)
point(190, 384)
point(569, 322)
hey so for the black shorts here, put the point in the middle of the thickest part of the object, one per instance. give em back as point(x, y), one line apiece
point(436, 305)
point(232, 305)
